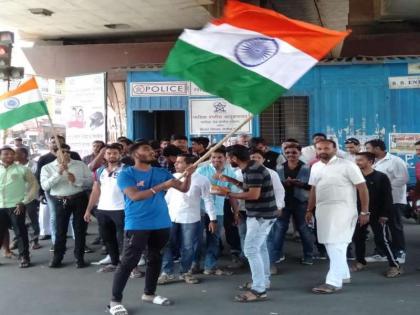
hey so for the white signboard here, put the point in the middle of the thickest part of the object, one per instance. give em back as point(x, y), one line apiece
point(216, 116)
point(413, 68)
point(174, 88)
point(410, 82)
point(84, 111)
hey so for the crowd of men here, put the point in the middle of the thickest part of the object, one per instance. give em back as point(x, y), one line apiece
point(153, 202)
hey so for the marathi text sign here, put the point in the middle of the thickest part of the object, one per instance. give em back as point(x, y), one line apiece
point(403, 143)
point(84, 111)
point(216, 116)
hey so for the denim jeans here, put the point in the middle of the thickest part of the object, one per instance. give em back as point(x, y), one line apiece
point(212, 244)
point(53, 222)
point(184, 236)
point(255, 249)
point(277, 235)
point(242, 232)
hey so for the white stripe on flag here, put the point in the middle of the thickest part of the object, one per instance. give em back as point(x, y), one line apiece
point(27, 97)
point(284, 68)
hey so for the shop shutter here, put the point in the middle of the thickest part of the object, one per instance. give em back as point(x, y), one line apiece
point(287, 118)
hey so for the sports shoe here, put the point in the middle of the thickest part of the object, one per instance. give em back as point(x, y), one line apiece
point(401, 257)
point(142, 261)
point(393, 272)
point(136, 273)
point(282, 258)
point(165, 278)
point(376, 258)
point(105, 261)
point(307, 261)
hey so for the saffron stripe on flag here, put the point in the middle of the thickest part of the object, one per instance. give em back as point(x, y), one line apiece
point(312, 39)
point(25, 87)
point(219, 76)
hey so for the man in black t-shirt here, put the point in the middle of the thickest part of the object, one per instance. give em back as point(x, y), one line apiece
point(380, 207)
point(269, 156)
point(261, 210)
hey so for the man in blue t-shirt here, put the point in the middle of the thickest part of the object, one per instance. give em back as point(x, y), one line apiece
point(147, 222)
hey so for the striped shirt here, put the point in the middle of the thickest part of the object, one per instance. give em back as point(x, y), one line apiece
point(257, 176)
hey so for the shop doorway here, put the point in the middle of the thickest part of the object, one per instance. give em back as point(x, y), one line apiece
point(158, 124)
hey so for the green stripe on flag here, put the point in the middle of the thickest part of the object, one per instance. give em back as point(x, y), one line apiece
point(22, 113)
point(219, 76)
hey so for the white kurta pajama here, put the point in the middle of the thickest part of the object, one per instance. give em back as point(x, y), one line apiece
point(336, 211)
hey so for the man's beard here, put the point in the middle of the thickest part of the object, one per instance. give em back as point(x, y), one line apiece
point(233, 164)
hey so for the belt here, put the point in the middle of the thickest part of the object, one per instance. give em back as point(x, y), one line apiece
point(71, 197)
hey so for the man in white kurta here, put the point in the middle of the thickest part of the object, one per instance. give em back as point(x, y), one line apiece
point(335, 182)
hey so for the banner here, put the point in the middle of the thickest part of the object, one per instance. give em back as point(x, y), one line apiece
point(403, 143)
point(216, 116)
point(84, 111)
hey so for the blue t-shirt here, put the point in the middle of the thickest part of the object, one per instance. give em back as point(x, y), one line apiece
point(151, 213)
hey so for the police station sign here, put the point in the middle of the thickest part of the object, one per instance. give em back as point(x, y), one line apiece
point(173, 88)
point(216, 116)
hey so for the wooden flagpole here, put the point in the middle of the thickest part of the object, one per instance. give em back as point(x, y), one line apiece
point(220, 143)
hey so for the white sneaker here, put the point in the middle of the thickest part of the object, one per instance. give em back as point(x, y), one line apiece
point(376, 258)
point(142, 261)
point(105, 261)
point(401, 258)
point(282, 258)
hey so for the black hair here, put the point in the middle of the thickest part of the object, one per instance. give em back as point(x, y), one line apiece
point(319, 134)
point(100, 142)
point(164, 140)
point(6, 148)
point(293, 145)
point(59, 137)
point(136, 146)
point(154, 144)
point(239, 151)
point(368, 155)
point(329, 141)
point(64, 146)
point(417, 143)
point(352, 140)
point(204, 141)
point(377, 143)
point(125, 140)
point(256, 151)
point(171, 150)
point(178, 137)
point(114, 146)
point(24, 151)
point(189, 158)
point(220, 150)
point(254, 141)
point(291, 140)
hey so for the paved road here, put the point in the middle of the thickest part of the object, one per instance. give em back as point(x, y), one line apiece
point(42, 291)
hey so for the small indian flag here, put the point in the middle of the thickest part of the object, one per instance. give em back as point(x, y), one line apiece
point(251, 55)
point(23, 103)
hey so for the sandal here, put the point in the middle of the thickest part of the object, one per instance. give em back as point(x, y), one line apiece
point(117, 310)
point(325, 289)
point(189, 279)
point(166, 279)
point(9, 255)
point(156, 299)
point(251, 296)
point(357, 267)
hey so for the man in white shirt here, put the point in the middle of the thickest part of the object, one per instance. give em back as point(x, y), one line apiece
point(185, 213)
point(309, 152)
point(335, 183)
point(66, 180)
point(396, 170)
point(110, 210)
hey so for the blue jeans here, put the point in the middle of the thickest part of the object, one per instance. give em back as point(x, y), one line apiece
point(242, 232)
point(212, 244)
point(276, 237)
point(184, 236)
point(53, 218)
point(255, 249)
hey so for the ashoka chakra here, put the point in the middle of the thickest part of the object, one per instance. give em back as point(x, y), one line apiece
point(255, 51)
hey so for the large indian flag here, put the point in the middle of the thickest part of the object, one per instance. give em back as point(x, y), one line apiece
point(251, 55)
point(23, 103)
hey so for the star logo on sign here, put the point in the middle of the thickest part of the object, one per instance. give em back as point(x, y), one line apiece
point(219, 107)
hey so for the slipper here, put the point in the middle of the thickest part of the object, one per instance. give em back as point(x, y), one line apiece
point(251, 296)
point(325, 289)
point(156, 299)
point(117, 310)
